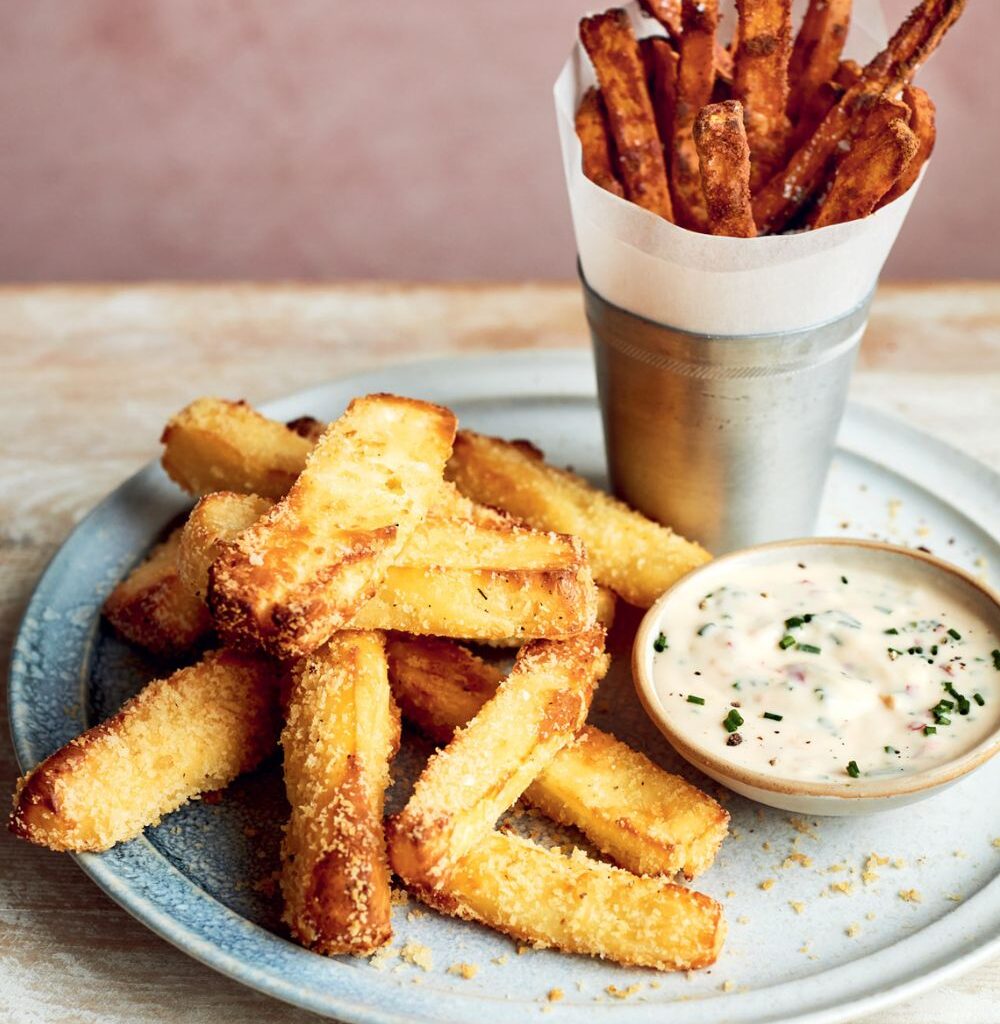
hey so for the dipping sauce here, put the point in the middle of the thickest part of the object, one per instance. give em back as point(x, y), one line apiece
point(822, 673)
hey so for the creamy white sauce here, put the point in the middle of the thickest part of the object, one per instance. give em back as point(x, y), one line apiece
point(847, 690)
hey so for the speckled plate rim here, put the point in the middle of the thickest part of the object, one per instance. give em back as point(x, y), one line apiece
point(138, 878)
point(700, 756)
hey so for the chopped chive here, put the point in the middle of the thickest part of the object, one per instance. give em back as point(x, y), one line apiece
point(978, 698)
point(853, 770)
point(893, 653)
point(934, 648)
point(772, 716)
point(891, 632)
point(996, 659)
point(794, 622)
point(660, 644)
point(732, 721)
point(807, 648)
point(694, 699)
point(929, 730)
point(786, 641)
point(736, 685)
point(843, 579)
point(963, 705)
point(807, 618)
point(704, 629)
point(942, 720)
point(891, 750)
point(954, 634)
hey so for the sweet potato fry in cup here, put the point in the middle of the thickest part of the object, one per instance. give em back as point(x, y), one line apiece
point(592, 131)
point(724, 160)
point(922, 124)
point(816, 51)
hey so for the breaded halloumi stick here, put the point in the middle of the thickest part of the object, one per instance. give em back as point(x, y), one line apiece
point(342, 730)
point(634, 556)
point(189, 733)
point(535, 712)
point(648, 820)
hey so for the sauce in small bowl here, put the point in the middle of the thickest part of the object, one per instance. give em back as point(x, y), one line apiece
point(825, 676)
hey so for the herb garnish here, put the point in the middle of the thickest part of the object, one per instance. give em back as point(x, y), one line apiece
point(929, 730)
point(695, 699)
point(733, 720)
point(954, 634)
point(786, 641)
point(807, 648)
point(843, 579)
point(996, 659)
point(891, 632)
point(660, 644)
point(772, 716)
point(891, 750)
point(853, 770)
point(978, 698)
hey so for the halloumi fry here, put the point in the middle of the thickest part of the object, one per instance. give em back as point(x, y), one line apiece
point(580, 905)
point(816, 51)
point(914, 41)
point(660, 60)
point(152, 607)
point(647, 820)
point(489, 763)
point(340, 734)
point(592, 131)
point(634, 556)
point(724, 161)
point(922, 124)
point(481, 578)
point(876, 160)
point(215, 445)
point(695, 81)
point(760, 82)
point(187, 734)
point(304, 569)
point(610, 42)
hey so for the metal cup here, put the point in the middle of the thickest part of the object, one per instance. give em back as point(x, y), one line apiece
point(727, 439)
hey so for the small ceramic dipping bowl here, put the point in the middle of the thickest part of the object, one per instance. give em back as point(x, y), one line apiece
point(851, 795)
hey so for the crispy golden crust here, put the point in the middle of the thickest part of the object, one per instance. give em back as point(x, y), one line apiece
point(581, 906)
point(341, 732)
point(914, 41)
point(304, 569)
point(153, 609)
point(629, 553)
point(660, 60)
point(192, 732)
point(215, 445)
point(724, 161)
point(647, 820)
point(816, 52)
point(695, 81)
point(592, 131)
point(610, 42)
point(922, 124)
point(760, 81)
point(488, 764)
point(877, 158)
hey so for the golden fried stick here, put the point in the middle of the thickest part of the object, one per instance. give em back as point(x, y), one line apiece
point(581, 906)
point(660, 61)
point(153, 609)
point(914, 41)
point(695, 81)
point(922, 125)
point(647, 820)
point(304, 569)
point(666, 12)
point(482, 578)
point(488, 764)
point(760, 81)
point(629, 553)
point(341, 732)
point(611, 45)
point(877, 158)
point(724, 161)
point(816, 52)
point(848, 72)
point(192, 732)
point(592, 131)
point(215, 445)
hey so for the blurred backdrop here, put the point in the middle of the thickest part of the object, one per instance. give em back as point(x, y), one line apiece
point(342, 139)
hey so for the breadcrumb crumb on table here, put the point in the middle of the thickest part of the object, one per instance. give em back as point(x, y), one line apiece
point(728, 986)
point(555, 995)
point(852, 931)
point(910, 895)
point(842, 887)
point(767, 884)
point(623, 993)
point(463, 970)
point(797, 905)
point(419, 955)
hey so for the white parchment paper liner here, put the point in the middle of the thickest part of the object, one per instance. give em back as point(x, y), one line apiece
point(716, 285)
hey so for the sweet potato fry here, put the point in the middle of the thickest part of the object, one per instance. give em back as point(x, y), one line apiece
point(789, 190)
point(535, 712)
point(848, 72)
point(816, 52)
point(341, 732)
point(820, 102)
point(666, 12)
point(695, 80)
point(152, 607)
point(724, 162)
point(189, 733)
point(647, 820)
point(580, 905)
point(660, 60)
point(303, 570)
point(629, 553)
point(760, 82)
point(922, 125)
point(614, 52)
point(877, 158)
point(592, 131)
point(215, 445)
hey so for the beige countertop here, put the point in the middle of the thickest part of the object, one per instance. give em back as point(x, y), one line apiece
point(88, 376)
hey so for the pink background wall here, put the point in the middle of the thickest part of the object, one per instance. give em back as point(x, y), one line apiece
point(333, 139)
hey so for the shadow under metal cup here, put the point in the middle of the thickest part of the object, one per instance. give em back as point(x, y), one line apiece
point(727, 439)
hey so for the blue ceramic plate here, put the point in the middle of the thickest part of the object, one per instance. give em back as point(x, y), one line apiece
point(201, 879)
